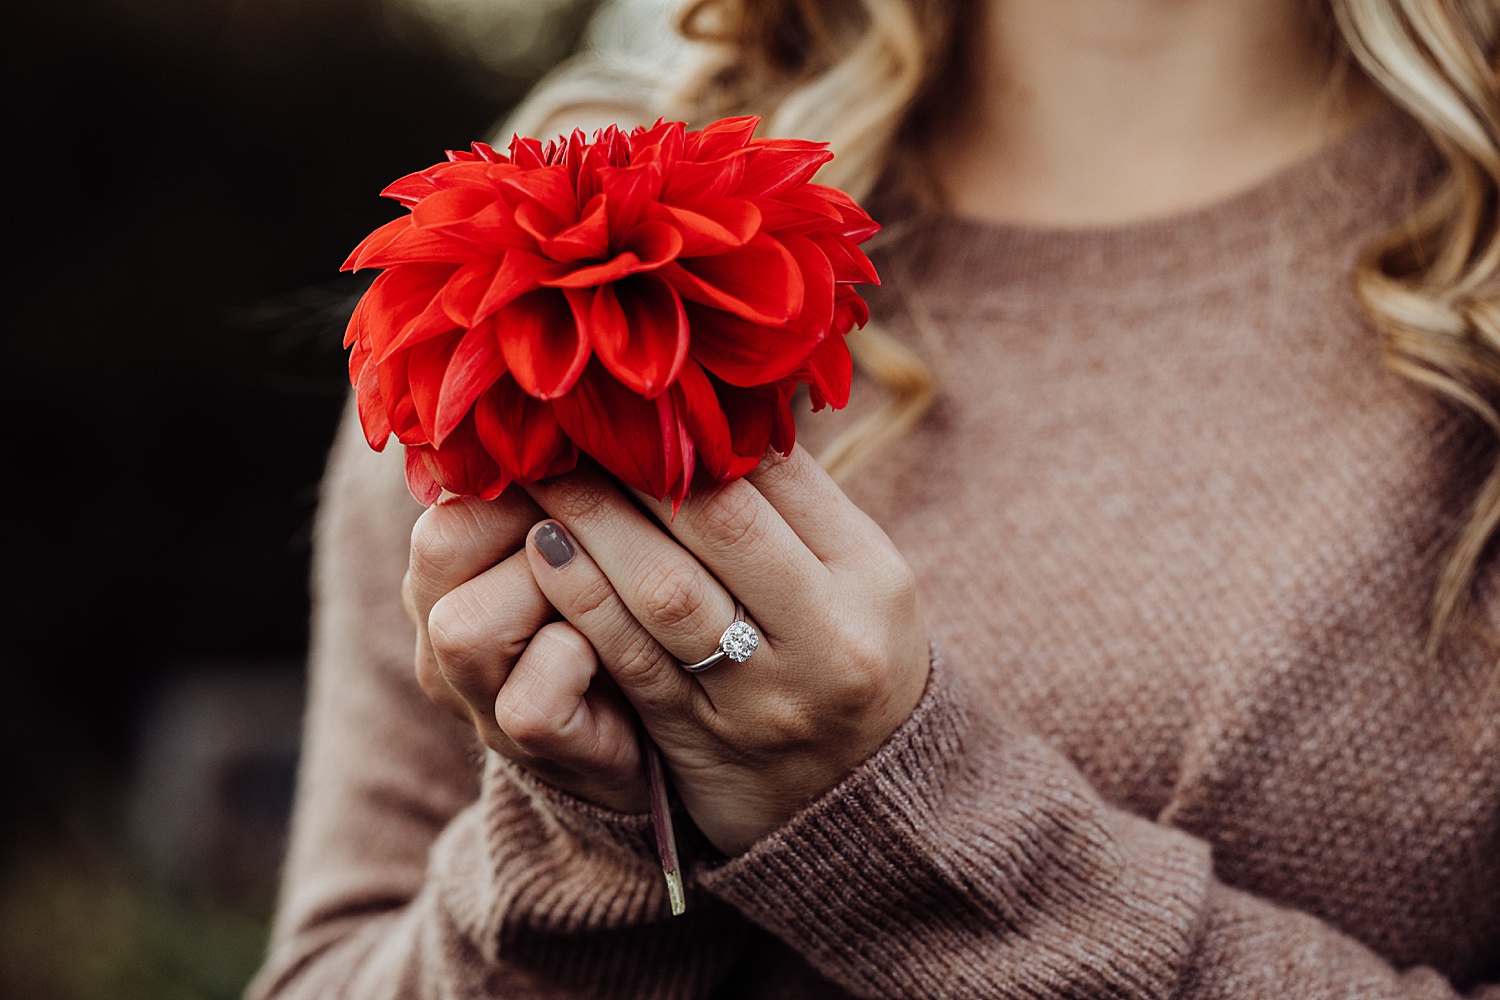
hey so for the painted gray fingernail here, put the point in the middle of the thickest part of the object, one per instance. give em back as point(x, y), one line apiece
point(553, 543)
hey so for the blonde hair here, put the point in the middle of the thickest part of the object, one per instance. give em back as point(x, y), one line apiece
point(858, 74)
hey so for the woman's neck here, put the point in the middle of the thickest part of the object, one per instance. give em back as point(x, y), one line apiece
point(1100, 112)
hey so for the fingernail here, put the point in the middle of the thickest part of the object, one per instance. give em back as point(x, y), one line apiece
point(553, 543)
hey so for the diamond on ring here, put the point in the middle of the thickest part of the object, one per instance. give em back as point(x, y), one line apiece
point(739, 641)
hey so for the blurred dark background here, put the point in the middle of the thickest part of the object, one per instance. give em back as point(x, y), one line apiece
point(182, 179)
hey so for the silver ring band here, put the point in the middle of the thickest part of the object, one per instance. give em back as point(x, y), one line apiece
point(737, 643)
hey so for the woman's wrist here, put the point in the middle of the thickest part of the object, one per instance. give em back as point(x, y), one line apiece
point(923, 744)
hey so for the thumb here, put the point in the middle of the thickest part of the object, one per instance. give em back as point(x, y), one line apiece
point(569, 722)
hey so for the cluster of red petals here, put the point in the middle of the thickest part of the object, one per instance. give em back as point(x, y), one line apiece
point(651, 299)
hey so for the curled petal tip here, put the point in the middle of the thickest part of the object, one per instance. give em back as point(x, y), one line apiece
point(424, 488)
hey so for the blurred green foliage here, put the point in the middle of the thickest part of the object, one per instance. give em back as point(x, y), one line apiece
point(92, 924)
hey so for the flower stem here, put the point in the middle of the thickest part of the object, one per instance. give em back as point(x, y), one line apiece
point(661, 822)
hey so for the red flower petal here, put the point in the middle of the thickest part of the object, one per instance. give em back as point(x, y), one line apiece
point(426, 364)
point(858, 225)
point(372, 416)
point(754, 418)
point(629, 191)
point(818, 287)
point(689, 183)
point(451, 207)
point(410, 189)
point(463, 466)
point(655, 243)
point(542, 335)
point(474, 216)
point(664, 140)
point(522, 434)
point(779, 165)
point(419, 479)
point(429, 323)
point(850, 265)
point(640, 332)
point(467, 174)
point(401, 242)
point(587, 239)
point(652, 244)
point(715, 226)
point(461, 296)
point(526, 152)
point(799, 211)
point(637, 440)
point(519, 272)
point(395, 398)
point(713, 440)
point(475, 364)
point(487, 153)
point(759, 282)
point(395, 298)
point(747, 354)
point(721, 138)
point(744, 353)
point(849, 310)
point(677, 440)
point(830, 371)
point(549, 189)
point(354, 330)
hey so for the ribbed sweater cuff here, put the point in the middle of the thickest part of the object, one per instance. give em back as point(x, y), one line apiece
point(834, 877)
point(965, 859)
point(570, 892)
point(608, 829)
point(564, 864)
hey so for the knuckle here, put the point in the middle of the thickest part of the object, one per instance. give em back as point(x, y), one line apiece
point(463, 634)
point(860, 688)
point(467, 655)
point(639, 660)
point(671, 594)
point(859, 678)
point(793, 726)
point(864, 655)
point(528, 714)
point(450, 630)
point(734, 514)
point(593, 597)
point(438, 540)
point(523, 722)
point(580, 501)
point(900, 579)
point(561, 641)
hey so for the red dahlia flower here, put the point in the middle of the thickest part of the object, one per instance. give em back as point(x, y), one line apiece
point(649, 298)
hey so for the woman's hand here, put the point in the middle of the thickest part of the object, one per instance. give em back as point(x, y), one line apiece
point(843, 657)
point(489, 651)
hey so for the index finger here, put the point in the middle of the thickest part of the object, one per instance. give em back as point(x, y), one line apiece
point(457, 539)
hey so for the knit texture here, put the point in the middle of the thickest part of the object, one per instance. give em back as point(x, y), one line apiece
point(1176, 529)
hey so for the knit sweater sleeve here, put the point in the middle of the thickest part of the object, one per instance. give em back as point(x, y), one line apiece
point(969, 858)
point(420, 867)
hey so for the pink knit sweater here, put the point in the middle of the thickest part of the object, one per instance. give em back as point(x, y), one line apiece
point(1176, 528)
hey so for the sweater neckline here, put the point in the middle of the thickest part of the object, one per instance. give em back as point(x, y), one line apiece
point(1320, 204)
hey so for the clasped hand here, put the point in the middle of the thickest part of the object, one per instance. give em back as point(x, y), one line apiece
point(552, 617)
